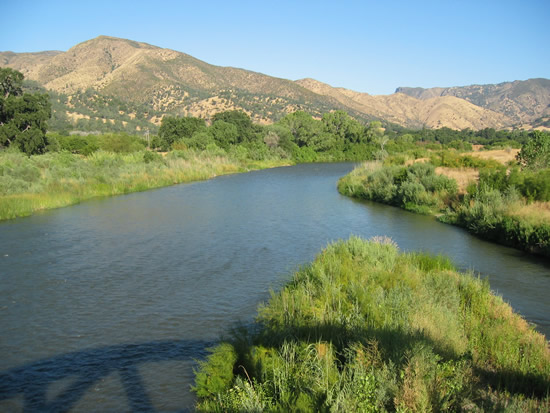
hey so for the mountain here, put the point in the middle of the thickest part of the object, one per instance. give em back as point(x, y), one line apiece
point(160, 81)
point(435, 112)
point(118, 84)
point(523, 101)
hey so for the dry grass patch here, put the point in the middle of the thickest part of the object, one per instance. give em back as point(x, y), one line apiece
point(536, 212)
point(501, 155)
point(411, 161)
point(462, 176)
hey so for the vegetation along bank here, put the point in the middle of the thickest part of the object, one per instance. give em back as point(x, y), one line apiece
point(366, 328)
point(508, 204)
point(43, 167)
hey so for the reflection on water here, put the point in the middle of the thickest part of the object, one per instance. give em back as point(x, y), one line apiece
point(180, 265)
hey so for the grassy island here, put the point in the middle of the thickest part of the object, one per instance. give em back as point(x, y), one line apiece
point(367, 328)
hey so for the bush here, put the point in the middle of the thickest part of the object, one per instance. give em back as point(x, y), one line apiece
point(120, 143)
point(304, 154)
point(149, 156)
point(83, 145)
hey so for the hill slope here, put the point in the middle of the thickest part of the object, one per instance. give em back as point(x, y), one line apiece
point(165, 81)
point(523, 101)
point(409, 111)
point(115, 83)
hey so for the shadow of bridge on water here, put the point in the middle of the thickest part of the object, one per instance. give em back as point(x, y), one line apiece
point(90, 366)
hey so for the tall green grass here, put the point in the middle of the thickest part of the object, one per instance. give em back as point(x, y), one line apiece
point(488, 213)
point(52, 180)
point(488, 210)
point(366, 328)
point(416, 188)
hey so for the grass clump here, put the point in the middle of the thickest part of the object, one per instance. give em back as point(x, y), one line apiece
point(368, 328)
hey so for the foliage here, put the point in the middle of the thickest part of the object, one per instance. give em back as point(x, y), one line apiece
point(417, 187)
point(534, 185)
point(367, 328)
point(23, 116)
point(486, 212)
point(462, 139)
point(454, 159)
point(53, 180)
point(224, 134)
point(494, 208)
point(174, 129)
point(111, 142)
point(246, 130)
point(535, 153)
point(11, 82)
point(84, 145)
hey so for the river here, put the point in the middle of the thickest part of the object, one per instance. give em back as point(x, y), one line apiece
point(104, 306)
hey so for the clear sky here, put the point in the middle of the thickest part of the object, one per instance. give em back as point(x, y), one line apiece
point(368, 46)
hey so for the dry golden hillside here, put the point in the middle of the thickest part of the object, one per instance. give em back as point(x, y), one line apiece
point(436, 112)
point(140, 79)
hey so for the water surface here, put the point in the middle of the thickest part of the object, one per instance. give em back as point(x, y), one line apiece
point(105, 305)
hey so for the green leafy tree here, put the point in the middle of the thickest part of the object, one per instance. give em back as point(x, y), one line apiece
point(23, 116)
point(303, 127)
point(344, 128)
point(174, 129)
point(277, 135)
point(535, 153)
point(375, 131)
point(11, 82)
point(246, 130)
point(224, 133)
point(200, 140)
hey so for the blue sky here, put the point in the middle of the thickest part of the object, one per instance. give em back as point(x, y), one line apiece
point(368, 46)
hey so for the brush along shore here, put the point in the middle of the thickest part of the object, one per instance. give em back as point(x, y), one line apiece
point(53, 180)
point(367, 328)
point(505, 206)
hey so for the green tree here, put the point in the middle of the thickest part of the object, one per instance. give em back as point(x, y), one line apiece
point(303, 127)
point(344, 128)
point(174, 129)
point(224, 133)
point(11, 82)
point(374, 131)
point(535, 153)
point(246, 130)
point(23, 116)
point(200, 140)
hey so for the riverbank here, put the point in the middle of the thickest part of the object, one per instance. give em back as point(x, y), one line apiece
point(495, 207)
point(368, 328)
point(54, 180)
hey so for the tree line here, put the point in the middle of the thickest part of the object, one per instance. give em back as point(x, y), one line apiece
point(334, 136)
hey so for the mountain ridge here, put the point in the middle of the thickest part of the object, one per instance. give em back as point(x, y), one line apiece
point(521, 100)
point(135, 79)
point(409, 111)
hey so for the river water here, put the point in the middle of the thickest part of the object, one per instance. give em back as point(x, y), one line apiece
point(105, 306)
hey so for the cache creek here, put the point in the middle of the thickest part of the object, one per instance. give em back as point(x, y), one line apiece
point(106, 305)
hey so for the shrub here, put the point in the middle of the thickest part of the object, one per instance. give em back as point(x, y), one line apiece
point(149, 156)
point(120, 143)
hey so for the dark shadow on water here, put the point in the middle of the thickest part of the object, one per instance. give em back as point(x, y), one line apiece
point(90, 366)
